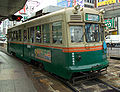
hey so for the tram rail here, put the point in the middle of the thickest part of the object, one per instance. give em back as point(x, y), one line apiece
point(114, 88)
point(72, 86)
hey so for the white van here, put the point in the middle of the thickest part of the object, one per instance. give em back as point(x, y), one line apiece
point(113, 40)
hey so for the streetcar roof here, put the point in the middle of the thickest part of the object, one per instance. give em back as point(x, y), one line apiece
point(85, 9)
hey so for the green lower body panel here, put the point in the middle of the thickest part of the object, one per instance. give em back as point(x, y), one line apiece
point(92, 67)
point(63, 64)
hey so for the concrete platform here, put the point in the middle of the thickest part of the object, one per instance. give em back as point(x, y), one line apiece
point(18, 76)
point(12, 76)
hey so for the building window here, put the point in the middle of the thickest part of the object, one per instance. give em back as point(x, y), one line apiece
point(93, 1)
point(89, 6)
point(57, 32)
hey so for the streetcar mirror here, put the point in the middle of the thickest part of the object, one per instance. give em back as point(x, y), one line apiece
point(81, 9)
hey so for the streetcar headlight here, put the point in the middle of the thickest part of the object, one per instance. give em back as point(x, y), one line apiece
point(78, 57)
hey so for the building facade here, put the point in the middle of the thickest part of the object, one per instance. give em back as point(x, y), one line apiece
point(72, 3)
point(89, 3)
point(112, 15)
point(4, 26)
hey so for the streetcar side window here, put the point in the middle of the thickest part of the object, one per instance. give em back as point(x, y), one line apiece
point(28, 34)
point(8, 37)
point(14, 35)
point(19, 31)
point(25, 35)
point(92, 33)
point(76, 34)
point(57, 32)
point(17, 35)
point(11, 36)
point(38, 34)
point(46, 33)
point(102, 33)
point(32, 34)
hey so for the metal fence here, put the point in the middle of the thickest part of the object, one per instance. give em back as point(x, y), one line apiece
point(113, 51)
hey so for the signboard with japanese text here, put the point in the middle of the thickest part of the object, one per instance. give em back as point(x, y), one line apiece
point(63, 4)
point(109, 23)
point(92, 17)
point(105, 2)
point(23, 11)
point(81, 3)
point(70, 3)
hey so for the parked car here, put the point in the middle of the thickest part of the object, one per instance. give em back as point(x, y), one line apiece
point(113, 40)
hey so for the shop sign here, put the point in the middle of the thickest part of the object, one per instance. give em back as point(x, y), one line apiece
point(23, 11)
point(70, 3)
point(106, 2)
point(109, 23)
point(65, 3)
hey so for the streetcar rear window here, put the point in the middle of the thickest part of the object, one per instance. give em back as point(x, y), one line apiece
point(76, 34)
point(92, 33)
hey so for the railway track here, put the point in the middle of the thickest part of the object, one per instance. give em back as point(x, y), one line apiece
point(74, 89)
point(114, 88)
point(77, 88)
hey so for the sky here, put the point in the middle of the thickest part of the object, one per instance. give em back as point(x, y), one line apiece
point(39, 4)
point(33, 6)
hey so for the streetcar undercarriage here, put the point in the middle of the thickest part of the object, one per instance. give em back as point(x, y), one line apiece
point(84, 76)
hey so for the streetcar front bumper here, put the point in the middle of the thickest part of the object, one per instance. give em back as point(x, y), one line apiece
point(91, 67)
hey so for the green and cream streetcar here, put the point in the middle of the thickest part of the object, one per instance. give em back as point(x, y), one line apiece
point(66, 42)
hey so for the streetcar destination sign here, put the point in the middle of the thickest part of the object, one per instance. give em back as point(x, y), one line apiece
point(92, 17)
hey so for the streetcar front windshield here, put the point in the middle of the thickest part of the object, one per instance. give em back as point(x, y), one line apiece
point(76, 34)
point(92, 33)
